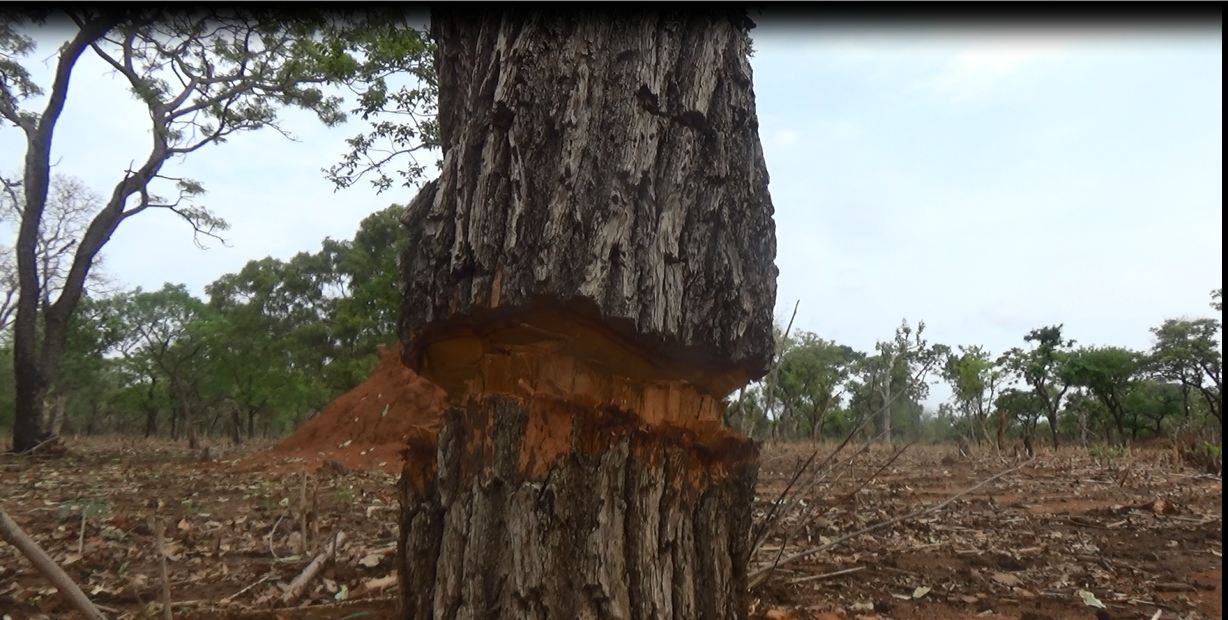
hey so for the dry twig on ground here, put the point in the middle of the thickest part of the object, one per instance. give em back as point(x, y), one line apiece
point(13, 535)
point(759, 576)
point(155, 525)
point(300, 583)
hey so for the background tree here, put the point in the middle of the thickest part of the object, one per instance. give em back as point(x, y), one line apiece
point(1084, 416)
point(1188, 352)
point(203, 76)
point(166, 327)
point(810, 381)
point(397, 88)
point(69, 205)
point(368, 303)
point(893, 379)
point(1148, 403)
point(975, 378)
point(1040, 368)
point(89, 380)
point(1023, 406)
point(1109, 374)
point(274, 325)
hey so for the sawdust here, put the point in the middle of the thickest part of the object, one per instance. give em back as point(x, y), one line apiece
point(368, 427)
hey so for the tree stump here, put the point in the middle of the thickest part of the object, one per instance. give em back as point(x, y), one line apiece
point(588, 278)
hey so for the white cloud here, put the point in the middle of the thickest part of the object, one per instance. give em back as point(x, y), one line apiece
point(784, 138)
point(983, 66)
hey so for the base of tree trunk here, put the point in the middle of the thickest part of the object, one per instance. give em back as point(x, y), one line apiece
point(543, 508)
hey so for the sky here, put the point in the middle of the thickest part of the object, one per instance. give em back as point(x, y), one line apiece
point(985, 180)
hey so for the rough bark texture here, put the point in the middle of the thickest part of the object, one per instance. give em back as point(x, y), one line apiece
point(608, 163)
point(626, 524)
point(588, 278)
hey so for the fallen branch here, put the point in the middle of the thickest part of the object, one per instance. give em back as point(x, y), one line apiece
point(52, 440)
point(379, 584)
point(827, 575)
point(302, 509)
point(304, 578)
point(248, 587)
point(360, 608)
point(759, 576)
point(13, 535)
point(155, 524)
point(81, 535)
point(272, 533)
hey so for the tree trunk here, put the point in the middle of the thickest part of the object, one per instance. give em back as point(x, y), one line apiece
point(1083, 426)
point(819, 416)
point(588, 278)
point(151, 421)
point(887, 406)
point(188, 427)
point(34, 372)
point(91, 423)
point(36, 363)
point(236, 427)
point(59, 409)
point(601, 521)
point(1052, 417)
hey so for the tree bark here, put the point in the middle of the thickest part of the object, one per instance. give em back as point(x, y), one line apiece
point(588, 279)
point(622, 523)
point(188, 426)
point(36, 362)
point(59, 409)
point(1052, 418)
point(151, 420)
point(236, 427)
point(606, 164)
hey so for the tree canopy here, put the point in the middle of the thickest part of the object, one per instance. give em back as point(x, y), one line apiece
point(203, 75)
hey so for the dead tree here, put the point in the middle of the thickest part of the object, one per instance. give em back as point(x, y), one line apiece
point(588, 278)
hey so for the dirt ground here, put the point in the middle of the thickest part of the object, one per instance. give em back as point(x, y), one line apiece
point(1138, 534)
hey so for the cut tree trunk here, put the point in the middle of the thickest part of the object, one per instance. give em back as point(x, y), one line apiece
point(609, 165)
point(589, 278)
point(549, 509)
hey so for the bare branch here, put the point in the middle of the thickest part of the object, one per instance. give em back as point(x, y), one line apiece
point(14, 535)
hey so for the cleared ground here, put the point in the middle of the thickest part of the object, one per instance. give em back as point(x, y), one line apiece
point(1138, 532)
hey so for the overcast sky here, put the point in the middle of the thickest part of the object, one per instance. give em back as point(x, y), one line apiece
point(985, 181)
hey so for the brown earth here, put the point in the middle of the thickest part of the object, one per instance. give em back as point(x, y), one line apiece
point(367, 427)
point(1142, 533)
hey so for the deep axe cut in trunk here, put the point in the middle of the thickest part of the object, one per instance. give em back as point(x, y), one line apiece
point(588, 279)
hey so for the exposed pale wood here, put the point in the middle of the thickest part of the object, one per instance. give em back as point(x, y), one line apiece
point(304, 579)
point(42, 562)
point(588, 278)
point(302, 508)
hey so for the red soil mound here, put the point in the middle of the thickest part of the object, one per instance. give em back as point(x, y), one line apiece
point(367, 427)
